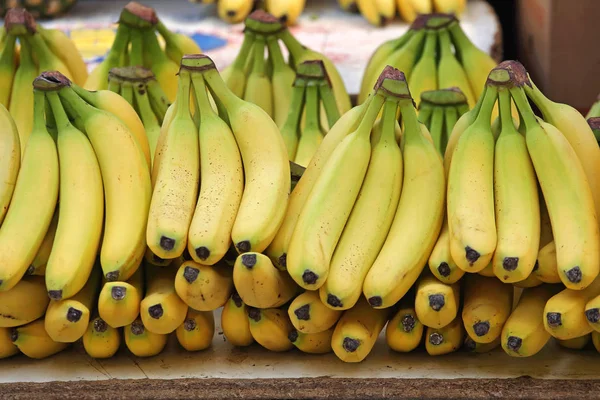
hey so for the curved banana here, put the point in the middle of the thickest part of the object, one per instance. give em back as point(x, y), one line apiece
point(270, 328)
point(141, 342)
point(312, 343)
point(204, 287)
point(177, 44)
point(61, 45)
point(161, 310)
point(24, 303)
point(309, 315)
point(436, 303)
point(234, 11)
point(235, 75)
point(38, 265)
point(10, 159)
point(450, 72)
point(287, 11)
point(165, 69)
point(234, 322)
point(7, 347)
point(33, 340)
point(404, 331)
point(119, 302)
point(424, 73)
point(259, 89)
point(100, 340)
point(197, 331)
point(439, 341)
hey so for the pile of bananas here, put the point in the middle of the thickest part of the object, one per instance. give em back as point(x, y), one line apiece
point(136, 44)
point(235, 11)
point(268, 83)
point(312, 90)
point(435, 53)
point(379, 12)
point(28, 48)
point(439, 110)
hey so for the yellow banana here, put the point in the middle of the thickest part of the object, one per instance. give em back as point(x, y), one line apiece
point(141, 342)
point(177, 44)
point(81, 209)
point(10, 158)
point(516, 201)
point(165, 69)
point(8, 65)
point(529, 282)
point(357, 331)
point(33, 340)
point(472, 346)
point(47, 61)
point(395, 269)
point(436, 303)
point(176, 187)
point(440, 261)
point(270, 328)
point(369, 10)
point(578, 343)
point(287, 11)
point(410, 9)
point(235, 75)
point(310, 135)
point(455, 7)
point(100, 340)
point(221, 174)
point(523, 334)
point(234, 322)
point(24, 303)
point(127, 200)
point(440, 341)
point(404, 331)
point(149, 120)
point(368, 224)
point(204, 287)
point(234, 11)
point(487, 306)
point(259, 90)
point(161, 310)
point(162, 139)
point(67, 320)
point(197, 331)
point(309, 315)
point(424, 73)
point(32, 204)
point(348, 5)
point(312, 343)
point(62, 46)
point(470, 203)
point(38, 265)
point(98, 78)
point(260, 284)
point(266, 167)
point(450, 72)
point(7, 347)
point(119, 302)
point(547, 270)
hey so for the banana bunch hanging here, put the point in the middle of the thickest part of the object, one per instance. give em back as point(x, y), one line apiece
point(379, 12)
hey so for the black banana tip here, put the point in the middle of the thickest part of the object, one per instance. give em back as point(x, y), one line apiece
point(593, 315)
point(554, 319)
point(309, 277)
point(375, 301)
point(254, 314)
point(167, 243)
point(137, 327)
point(283, 260)
point(436, 338)
point(156, 311)
point(112, 276)
point(514, 343)
point(510, 263)
point(444, 269)
point(437, 301)
point(574, 275)
point(334, 301)
point(293, 336)
point(118, 292)
point(471, 255)
point(74, 315)
point(408, 323)
point(190, 274)
point(481, 328)
point(244, 246)
point(249, 260)
point(100, 325)
point(203, 253)
point(303, 313)
point(189, 324)
point(350, 345)
point(55, 294)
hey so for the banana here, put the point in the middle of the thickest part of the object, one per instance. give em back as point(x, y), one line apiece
point(204, 287)
point(436, 303)
point(357, 331)
point(38, 265)
point(8, 65)
point(440, 341)
point(176, 187)
point(119, 302)
point(436, 128)
point(523, 334)
point(424, 73)
point(592, 313)
point(516, 201)
point(161, 310)
point(472, 346)
point(10, 158)
point(32, 204)
point(234, 11)
point(158, 99)
point(395, 269)
point(118, 106)
point(487, 306)
point(21, 105)
point(440, 261)
point(197, 331)
point(282, 82)
point(404, 331)
point(270, 328)
point(7, 347)
point(33, 340)
point(329, 204)
point(266, 167)
point(470, 203)
point(67, 320)
point(100, 340)
point(24, 303)
point(594, 124)
point(568, 197)
point(222, 179)
point(369, 9)
point(81, 209)
point(234, 322)
point(260, 284)
point(529, 282)
point(312, 343)
point(455, 7)
point(165, 69)
point(475, 61)
point(310, 135)
point(127, 200)
point(287, 11)
point(290, 130)
point(403, 59)
point(235, 74)
point(409, 10)
point(61, 45)
point(259, 89)
point(278, 249)
point(578, 343)
point(348, 5)
point(47, 61)
point(141, 342)
point(450, 72)
point(387, 8)
point(487, 271)
point(177, 44)
point(97, 79)
point(547, 270)
point(309, 315)
point(367, 225)
point(149, 120)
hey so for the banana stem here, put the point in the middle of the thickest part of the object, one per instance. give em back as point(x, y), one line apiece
point(259, 65)
point(50, 120)
point(506, 121)
point(152, 47)
point(8, 52)
point(524, 108)
point(296, 106)
point(136, 54)
point(275, 53)
point(329, 103)
point(293, 45)
point(540, 100)
point(127, 92)
point(461, 40)
point(425, 111)
point(158, 99)
point(114, 85)
point(183, 94)
point(450, 118)
point(412, 130)
point(388, 119)
point(75, 106)
point(240, 61)
point(366, 124)
point(39, 106)
point(62, 120)
point(487, 107)
point(164, 32)
point(26, 55)
point(445, 43)
point(144, 109)
point(312, 108)
point(201, 94)
point(219, 89)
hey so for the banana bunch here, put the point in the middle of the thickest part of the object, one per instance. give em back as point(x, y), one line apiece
point(136, 44)
point(236, 11)
point(311, 90)
point(435, 53)
point(380, 12)
point(439, 110)
point(26, 49)
point(268, 82)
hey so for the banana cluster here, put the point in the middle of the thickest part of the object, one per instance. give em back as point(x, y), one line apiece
point(27, 49)
point(379, 12)
point(136, 44)
point(435, 53)
point(269, 82)
point(236, 11)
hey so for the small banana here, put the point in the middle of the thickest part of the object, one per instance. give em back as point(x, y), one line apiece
point(424, 73)
point(204, 287)
point(24, 303)
point(33, 340)
point(436, 303)
point(7, 347)
point(450, 72)
point(259, 89)
point(234, 322)
point(61, 45)
point(312, 343)
point(404, 331)
point(165, 69)
point(141, 342)
point(287, 11)
point(440, 341)
point(177, 44)
point(100, 340)
point(197, 331)
point(271, 328)
point(309, 315)
point(310, 135)
point(119, 302)
point(234, 11)
point(578, 343)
